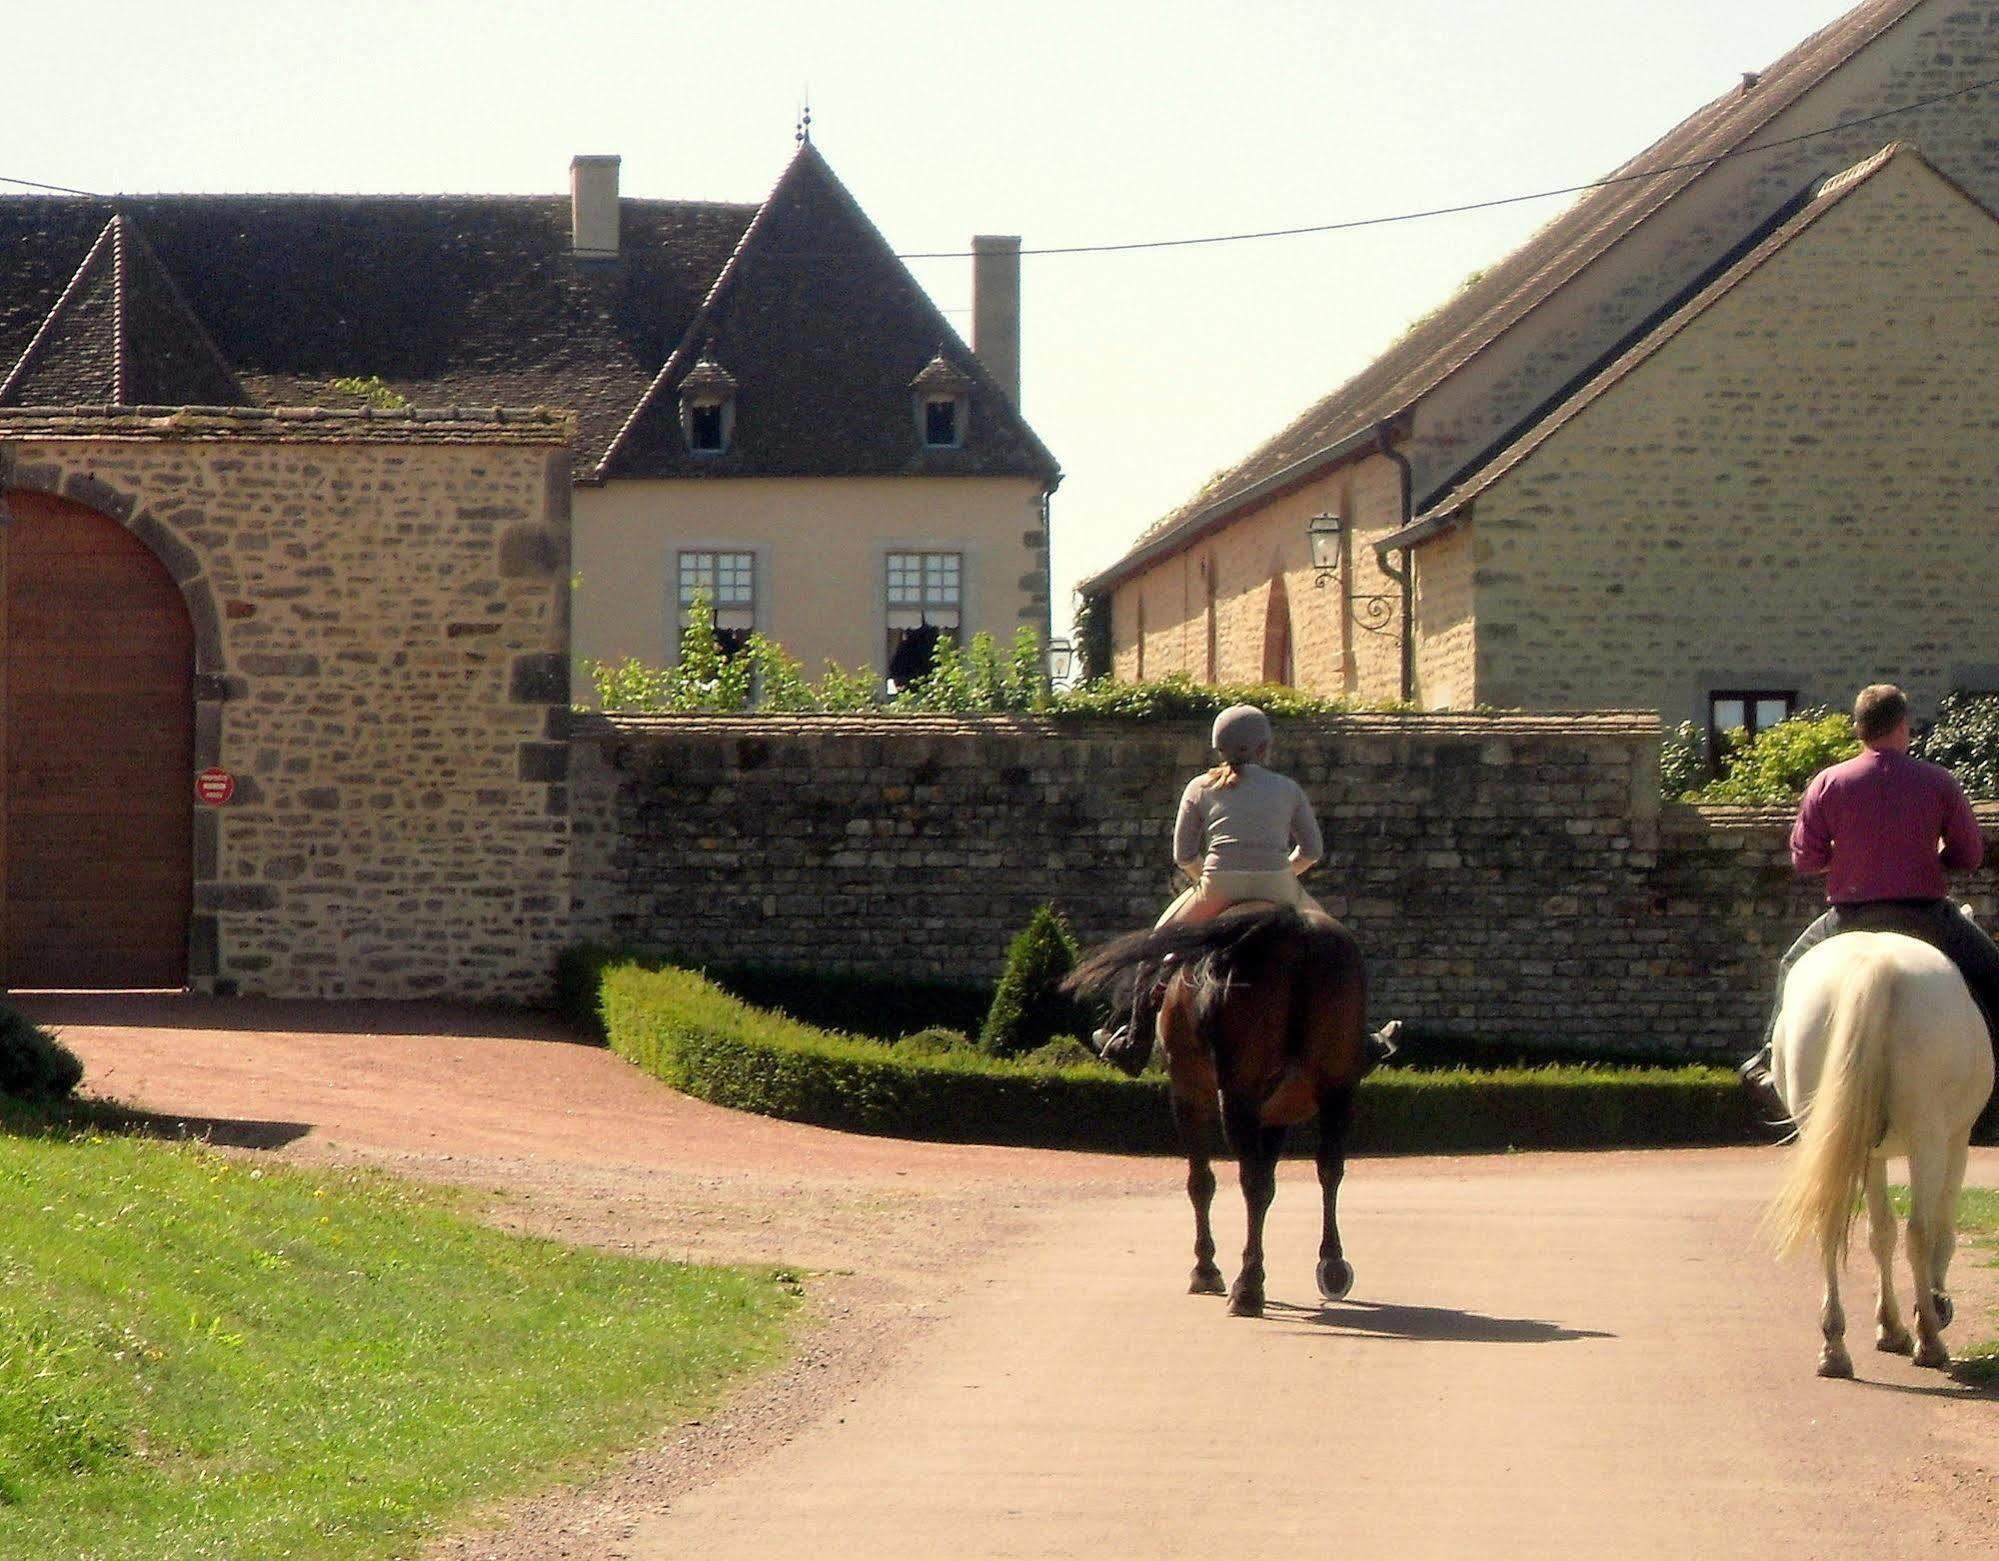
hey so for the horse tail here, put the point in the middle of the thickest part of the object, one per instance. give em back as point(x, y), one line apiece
point(1846, 1117)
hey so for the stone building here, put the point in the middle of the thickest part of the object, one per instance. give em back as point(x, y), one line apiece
point(768, 407)
point(1716, 441)
point(286, 700)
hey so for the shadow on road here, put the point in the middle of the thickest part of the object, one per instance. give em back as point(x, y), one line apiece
point(222, 1132)
point(1432, 1323)
point(294, 1016)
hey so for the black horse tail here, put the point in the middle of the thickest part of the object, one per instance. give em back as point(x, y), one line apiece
point(1110, 969)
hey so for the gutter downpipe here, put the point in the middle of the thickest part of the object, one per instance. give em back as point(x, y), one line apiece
point(1384, 435)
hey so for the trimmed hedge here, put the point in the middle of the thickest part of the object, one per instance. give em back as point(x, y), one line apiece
point(685, 1030)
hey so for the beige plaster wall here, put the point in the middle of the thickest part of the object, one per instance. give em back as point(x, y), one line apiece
point(820, 545)
point(1800, 488)
point(381, 622)
point(1446, 624)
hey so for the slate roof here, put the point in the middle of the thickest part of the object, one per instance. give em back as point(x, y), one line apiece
point(1471, 320)
point(477, 301)
point(824, 331)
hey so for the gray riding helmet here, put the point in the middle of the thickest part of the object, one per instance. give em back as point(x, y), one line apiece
point(1241, 732)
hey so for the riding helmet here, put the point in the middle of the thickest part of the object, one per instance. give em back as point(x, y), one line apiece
point(1241, 732)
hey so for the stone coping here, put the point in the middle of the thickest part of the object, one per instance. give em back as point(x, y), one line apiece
point(295, 425)
point(599, 726)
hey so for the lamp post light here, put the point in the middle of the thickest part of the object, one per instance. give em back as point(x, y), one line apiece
point(1061, 663)
point(1326, 534)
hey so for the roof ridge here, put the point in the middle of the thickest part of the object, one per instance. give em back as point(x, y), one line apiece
point(56, 312)
point(132, 235)
point(1632, 350)
point(695, 327)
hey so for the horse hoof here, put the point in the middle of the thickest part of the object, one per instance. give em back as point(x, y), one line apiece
point(1945, 1309)
point(1336, 1280)
point(1897, 1343)
point(1933, 1354)
point(1831, 1365)
point(1246, 1303)
point(1207, 1282)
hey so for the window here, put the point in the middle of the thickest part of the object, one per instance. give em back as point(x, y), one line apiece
point(925, 604)
point(729, 581)
point(940, 423)
point(704, 424)
point(1754, 710)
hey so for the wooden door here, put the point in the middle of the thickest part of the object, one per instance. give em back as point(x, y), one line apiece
point(98, 728)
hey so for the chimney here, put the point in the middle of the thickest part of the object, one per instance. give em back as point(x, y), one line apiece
point(996, 309)
point(593, 207)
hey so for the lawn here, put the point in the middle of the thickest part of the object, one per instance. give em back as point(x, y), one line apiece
point(203, 1358)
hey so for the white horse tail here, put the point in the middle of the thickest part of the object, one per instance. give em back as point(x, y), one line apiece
point(1847, 1116)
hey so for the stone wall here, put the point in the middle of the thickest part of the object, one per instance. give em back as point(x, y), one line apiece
point(1507, 875)
point(380, 612)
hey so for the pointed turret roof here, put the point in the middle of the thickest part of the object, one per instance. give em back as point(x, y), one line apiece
point(824, 331)
point(121, 334)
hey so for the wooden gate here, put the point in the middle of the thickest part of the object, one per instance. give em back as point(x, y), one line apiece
point(96, 857)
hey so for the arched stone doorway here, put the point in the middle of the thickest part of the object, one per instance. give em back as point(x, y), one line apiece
point(97, 717)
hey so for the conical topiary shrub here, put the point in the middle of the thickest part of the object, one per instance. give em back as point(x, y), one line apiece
point(1029, 1009)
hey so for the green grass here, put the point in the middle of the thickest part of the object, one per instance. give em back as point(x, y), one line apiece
point(202, 1358)
point(1978, 1226)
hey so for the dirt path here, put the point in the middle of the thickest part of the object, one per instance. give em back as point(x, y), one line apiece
point(1547, 1355)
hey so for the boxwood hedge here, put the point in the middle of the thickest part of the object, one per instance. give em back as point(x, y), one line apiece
point(685, 1030)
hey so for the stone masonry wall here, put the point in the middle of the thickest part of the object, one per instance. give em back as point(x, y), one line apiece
point(1507, 875)
point(380, 611)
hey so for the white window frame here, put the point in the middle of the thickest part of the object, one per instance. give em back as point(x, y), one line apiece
point(731, 575)
point(935, 596)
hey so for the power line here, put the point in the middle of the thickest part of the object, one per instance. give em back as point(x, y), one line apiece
point(1133, 245)
point(1468, 206)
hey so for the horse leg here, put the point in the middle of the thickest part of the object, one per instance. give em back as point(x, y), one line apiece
point(1195, 1135)
point(1256, 1149)
point(1833, 1359)
point(1889, 1334)
point(1335, 1273)
point(1931, 1234)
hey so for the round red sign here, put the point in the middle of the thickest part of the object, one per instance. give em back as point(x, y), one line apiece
point(214, 786)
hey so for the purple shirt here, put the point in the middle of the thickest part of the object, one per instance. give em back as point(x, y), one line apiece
point(1872, 826)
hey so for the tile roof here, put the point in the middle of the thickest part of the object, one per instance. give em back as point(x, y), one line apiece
point(293, 425)
point(824, 331)
point(478, 301)
point(1506, 293)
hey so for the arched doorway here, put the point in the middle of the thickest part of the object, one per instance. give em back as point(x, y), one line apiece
point(97, 715)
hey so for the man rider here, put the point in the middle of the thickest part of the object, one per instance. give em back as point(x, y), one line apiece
point(1882, 827)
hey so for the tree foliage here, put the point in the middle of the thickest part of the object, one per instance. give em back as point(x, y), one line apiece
point(1965, 740)
point(1778, 763)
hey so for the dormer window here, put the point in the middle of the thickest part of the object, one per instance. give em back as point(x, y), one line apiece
point(943, 397)
point(708, 408)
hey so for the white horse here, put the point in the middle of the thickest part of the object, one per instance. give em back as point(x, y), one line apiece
point(1879, 1051)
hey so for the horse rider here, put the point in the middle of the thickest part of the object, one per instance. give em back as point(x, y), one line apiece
point(1882, 828)
point(1243, 832)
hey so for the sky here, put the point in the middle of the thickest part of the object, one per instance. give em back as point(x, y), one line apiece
point(1078, 123)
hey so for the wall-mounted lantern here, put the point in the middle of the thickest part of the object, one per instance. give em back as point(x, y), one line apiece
point(1326, 533)
point(1061, 663)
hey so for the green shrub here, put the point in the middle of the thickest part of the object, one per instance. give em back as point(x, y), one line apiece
point(34, 1065)
point(1029, 1008)
point(933, 1042)
point(1683, 765)
point(1965, 740)
point(1779, 763)
point(683, 1029)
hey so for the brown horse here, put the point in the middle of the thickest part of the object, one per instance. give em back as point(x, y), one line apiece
point(1263, 1014)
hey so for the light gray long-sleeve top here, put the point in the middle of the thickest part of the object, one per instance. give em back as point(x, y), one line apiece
point(1249, 827)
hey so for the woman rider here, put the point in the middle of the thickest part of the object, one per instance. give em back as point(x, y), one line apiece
point(1243, 832)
